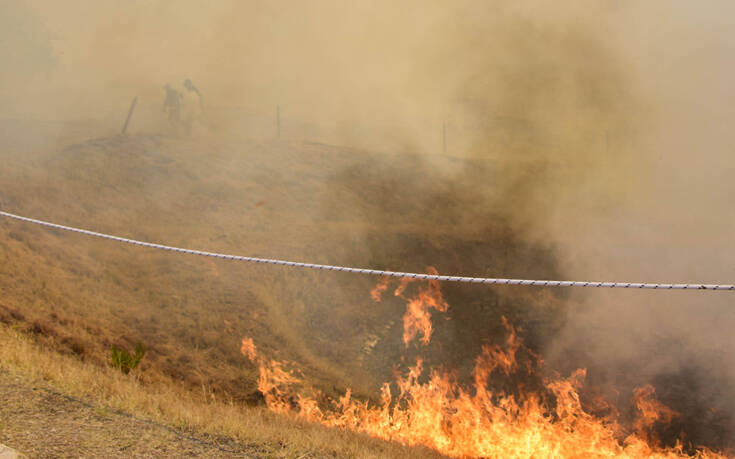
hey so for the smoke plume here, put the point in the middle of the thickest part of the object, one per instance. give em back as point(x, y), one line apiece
point(532, 139)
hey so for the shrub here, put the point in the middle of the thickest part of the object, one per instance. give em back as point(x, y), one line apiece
point(125, 362)
point(41, 327)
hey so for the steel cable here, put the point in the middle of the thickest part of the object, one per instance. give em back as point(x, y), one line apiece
point(377, 272)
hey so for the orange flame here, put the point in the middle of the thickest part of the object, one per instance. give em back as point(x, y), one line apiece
point(247, 349)
point(417, 318)
point(377, 293)
point(652, 412)
point(458, 421)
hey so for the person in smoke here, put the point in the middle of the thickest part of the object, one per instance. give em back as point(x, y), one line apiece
point(193, 107)
point(172, 105)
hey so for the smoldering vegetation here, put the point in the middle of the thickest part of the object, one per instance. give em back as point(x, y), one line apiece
point(571, 134)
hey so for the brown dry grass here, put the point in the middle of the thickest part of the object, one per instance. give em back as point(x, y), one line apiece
point(85, 295)
point(171, 404)
point(295, 200)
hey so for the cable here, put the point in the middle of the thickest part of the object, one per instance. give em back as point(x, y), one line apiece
point(377, 272)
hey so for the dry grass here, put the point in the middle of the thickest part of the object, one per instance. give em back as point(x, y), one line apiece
point(65, 300)
point(80, 296)
point(173, 405)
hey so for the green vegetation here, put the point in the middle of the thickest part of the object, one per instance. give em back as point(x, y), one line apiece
point(124, 361)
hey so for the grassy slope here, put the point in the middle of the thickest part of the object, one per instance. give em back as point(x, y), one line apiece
point(187, 311)
point(291, 200)
point(52, 428)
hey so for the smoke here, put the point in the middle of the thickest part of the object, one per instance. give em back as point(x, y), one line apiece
point(582, 141)
point(530, 98)
point(25, 49)
point(676, 227)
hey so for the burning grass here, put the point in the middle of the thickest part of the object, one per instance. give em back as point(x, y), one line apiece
point(435, 409)
point(80, 296)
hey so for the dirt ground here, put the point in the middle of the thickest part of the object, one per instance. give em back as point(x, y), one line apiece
point(38, 421)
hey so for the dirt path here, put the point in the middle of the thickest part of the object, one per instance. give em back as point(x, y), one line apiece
point(40, 422)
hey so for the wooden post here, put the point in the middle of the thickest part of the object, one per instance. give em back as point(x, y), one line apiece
point(278, 121)
point(130, 114)
point(444, 137)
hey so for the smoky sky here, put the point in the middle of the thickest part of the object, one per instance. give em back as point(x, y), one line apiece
point(602, 130)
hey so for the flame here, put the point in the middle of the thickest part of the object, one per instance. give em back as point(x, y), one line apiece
point(377, 293)
point(274, 382)
point(417, 318)
point(430, 407)
point(652, 412)
point(247, 348)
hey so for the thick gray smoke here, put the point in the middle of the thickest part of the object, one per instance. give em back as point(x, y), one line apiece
point(589, 142)
point(676, 225)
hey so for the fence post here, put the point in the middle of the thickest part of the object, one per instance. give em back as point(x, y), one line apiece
point(130, 114)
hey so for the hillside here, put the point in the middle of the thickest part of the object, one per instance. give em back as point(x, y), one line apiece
point(282, 199)
point(76, 298)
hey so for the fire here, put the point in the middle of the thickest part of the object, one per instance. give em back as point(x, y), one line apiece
point(430, 407)
point(247, 348)
point(377, 293)
point(652, 411)
point(417, 318)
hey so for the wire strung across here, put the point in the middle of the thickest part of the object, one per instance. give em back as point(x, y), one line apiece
point(377, 272)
